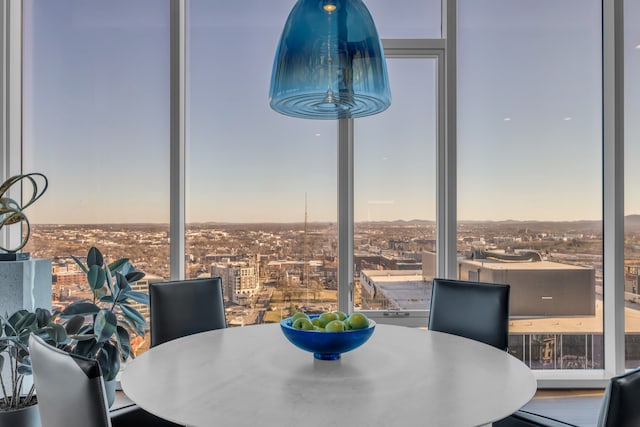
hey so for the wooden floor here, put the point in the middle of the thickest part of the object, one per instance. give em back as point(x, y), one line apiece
point(577, 407)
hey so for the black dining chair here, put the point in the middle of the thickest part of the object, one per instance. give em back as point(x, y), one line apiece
point(475, 310)
point(185, 307)
point(524, 418)
point(479, 311)
point(619, 407)
point(71, 392)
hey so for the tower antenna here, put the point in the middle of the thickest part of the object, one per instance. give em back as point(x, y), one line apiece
point(305, 272)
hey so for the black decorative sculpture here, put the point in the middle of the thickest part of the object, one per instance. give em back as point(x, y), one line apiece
point(12, 213)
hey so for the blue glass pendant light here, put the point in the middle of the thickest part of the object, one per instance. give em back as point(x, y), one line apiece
point(329, 63)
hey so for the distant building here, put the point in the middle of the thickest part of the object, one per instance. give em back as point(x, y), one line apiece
point(367, 261)
point(428, 265)
point(142, 285)
point(631, 274)
point(631, 288)
point(538, 288)
point(221, 258)
point(283, 269)
point(63, 282)
point(394, 290)
point(239, 280)
point(63, 278)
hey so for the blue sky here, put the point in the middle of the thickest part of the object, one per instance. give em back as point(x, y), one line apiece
point(97, 107)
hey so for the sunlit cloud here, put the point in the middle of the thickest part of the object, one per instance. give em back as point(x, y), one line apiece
point(507, 119)
point(566, 119)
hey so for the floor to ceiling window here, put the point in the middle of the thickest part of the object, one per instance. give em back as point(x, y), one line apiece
point(395, 175)
point(530, 170)
point(394, 194)
point(261, 189)
point(95, 122)
point(632, 177)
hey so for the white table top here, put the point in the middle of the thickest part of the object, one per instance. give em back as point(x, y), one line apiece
point(253, 376)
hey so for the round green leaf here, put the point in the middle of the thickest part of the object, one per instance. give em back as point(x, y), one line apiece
point(28, 321)
point(96, 277)
point(140, 297)
point(44, 317)
point(94, 257)
point(134, 276)
point(120, 265)
point(24, 370)
point(122, 282)
point(105, 325)
point(109, 359)
point(86, 348)
point(132, 314)
point(80, 308)
point(124, 341)
point(74, 324)
point(57, 333)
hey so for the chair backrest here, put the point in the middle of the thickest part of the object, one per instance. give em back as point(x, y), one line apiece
point(185, 307)
point(620, 406)
point(474, 310)
point(69, 387)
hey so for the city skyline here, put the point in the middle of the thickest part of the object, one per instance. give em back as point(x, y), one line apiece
point(301, 221)
point(278, 282)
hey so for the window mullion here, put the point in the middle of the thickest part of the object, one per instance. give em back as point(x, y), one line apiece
point(345, 215)
point(177, 139)
point(11, 87)
point(613, 187)
point(447, 218)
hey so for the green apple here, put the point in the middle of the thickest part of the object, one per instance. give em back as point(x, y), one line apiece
point(341, 316)
point(358, 321)
point(303, 323)
point(298, 315)
point(325, 318)
point(334, 326)
point(316, 322)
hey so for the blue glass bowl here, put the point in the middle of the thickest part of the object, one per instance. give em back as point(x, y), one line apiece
point(326, 345)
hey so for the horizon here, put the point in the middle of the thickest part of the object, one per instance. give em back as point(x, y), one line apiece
point(334, 222)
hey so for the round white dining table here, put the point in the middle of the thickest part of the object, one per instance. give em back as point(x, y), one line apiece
point(252, 376)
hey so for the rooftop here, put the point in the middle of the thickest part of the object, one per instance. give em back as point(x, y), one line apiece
point(522, 265)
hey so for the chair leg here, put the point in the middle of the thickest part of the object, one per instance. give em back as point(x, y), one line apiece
point(134, 416)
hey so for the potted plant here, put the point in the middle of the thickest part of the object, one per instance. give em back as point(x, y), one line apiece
point(16, 408)
point(101, 328)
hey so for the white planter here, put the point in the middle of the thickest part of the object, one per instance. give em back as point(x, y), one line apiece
point(24, 417)
point(25, 284)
